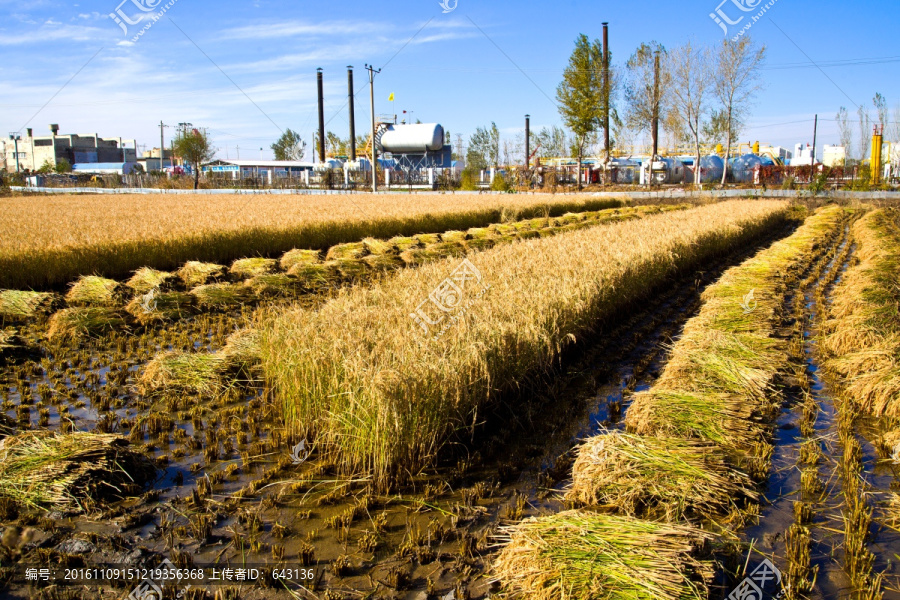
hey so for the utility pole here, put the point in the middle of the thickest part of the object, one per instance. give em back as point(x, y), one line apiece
point(238, 150)
point(656, 105)
point(812, 161)
point(372, 73)
point(606, 89)
point(162, 145)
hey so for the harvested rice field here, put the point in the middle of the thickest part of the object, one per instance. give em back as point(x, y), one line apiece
point(663, 401)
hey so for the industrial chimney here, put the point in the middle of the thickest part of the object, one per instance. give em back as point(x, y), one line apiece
point(54, 128)
point(321, 116)
point(352, 117)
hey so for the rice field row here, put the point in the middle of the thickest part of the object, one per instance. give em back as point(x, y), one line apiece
point(48, 241)
point(379, 390)
point(697, 443)
point(94, 304)
point(863, 332)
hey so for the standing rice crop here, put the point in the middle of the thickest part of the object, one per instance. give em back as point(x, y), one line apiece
point(381, 397)
point(578, 555)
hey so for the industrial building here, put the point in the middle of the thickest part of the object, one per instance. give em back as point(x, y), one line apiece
point(149, 160)
point(32, 152)
point(270, 170)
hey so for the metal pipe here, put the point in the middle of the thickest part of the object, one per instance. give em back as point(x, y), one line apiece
point(321, 116)
point(606, 89)
point(527, 141)
point(352, 117)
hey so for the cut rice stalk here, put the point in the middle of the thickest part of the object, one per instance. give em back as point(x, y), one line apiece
point(274, 284)
point(314, 275)
point(156, 306)
point(577, 555)
point(349, 251)
point(403, 243)
point(74, 323)
point(17, 306)
point(183, 372)
point(195, 273)
point(146, 279)
point(671, 477)
point(253, 267)
point(375, 246)
point(91, 290)
point(454, 236)
point(299, 257)
point(221, 295)
point(350, 269)
point(43, 469)
point(384, 262)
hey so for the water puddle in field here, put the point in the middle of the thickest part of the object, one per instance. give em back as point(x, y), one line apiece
point(784, 487)
point(436, 534)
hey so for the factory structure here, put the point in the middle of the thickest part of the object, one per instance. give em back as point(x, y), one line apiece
point(83, 152)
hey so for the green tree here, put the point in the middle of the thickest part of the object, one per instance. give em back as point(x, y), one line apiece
point(580, 94)
point(550, 142)
point(290, 146)
point(47, 167)
point(715, 130)
point(63, 166)
point(484, 148)
point(193, 146)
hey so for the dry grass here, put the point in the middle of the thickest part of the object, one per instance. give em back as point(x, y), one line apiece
point(380, 397)
point(578, 555)
point(637, 475)
point(863, 332)
point(43, 469)
point(718, 383)
point(50, 240)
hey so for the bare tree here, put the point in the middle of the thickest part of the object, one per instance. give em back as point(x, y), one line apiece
point(865, 130)
point(894, 129)
point(691, 79)
point(881, 109)
point(736, 83)
point(644, 95)
point(845, 130)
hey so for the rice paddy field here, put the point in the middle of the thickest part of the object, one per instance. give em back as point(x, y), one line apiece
point(448, 398)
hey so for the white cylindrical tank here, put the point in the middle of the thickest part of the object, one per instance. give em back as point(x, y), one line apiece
point(413, 139)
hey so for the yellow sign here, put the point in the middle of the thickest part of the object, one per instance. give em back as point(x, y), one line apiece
point(391, 97)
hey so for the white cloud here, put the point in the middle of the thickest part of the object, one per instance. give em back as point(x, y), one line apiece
point(281, 29)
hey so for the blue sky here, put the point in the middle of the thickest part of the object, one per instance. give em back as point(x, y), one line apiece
point(246, 69)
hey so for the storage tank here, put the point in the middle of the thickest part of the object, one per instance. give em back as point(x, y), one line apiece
point(417, 138)
point(668, 170)
point(711, 168)
point(625, 170)
point(743, 168)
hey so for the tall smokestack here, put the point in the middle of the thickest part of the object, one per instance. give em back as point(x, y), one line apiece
point(352, 117)
point(321, 116)
point(527, 141)
point(54, 128)
point(656, 101)
point(606, 88)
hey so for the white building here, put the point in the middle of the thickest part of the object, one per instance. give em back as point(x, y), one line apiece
point(833, 156)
